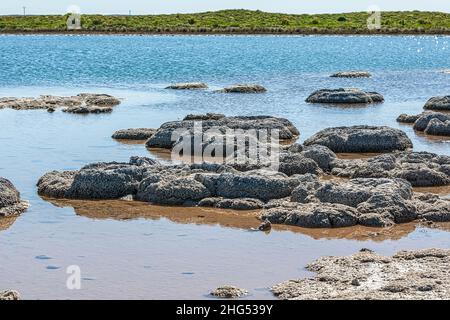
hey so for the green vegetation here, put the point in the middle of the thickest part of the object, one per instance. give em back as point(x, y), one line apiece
point(238, 21)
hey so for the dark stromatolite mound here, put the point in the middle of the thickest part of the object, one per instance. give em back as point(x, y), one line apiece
point(351, 74)
point(244, 88)
point(164, 136)
point(96, 181)
point(408, 275)
point(10, 203)
point(9, 295)
point(188, 86)
point(81, 103)
point(421, 169)
point(344, 96)
point(369, 202)
point(300, 199)
point(424, 119)
point(361, 139)
point(407, 118)
point(438, 128)
point(438, 103)
point(134, 134)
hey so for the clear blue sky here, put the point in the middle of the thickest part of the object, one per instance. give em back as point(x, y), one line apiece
point(174, 6)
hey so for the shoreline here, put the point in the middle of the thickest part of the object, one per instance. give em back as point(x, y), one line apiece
point(237, 33)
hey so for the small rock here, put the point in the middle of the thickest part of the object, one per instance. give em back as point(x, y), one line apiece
point(134, 134)
point(244, 88)
point(344, 96)
point(9, 295)
point(229, 292)
point(188, 86)
point(265, 226)
point(352, 74)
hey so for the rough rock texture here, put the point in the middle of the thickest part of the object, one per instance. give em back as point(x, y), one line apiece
point(134, 134)
point(9, 295)
point(229, 292)
point(361, 139)
point(81, 103)
point(438, 103)
point(421, 169)
point(188, 86)
point(408, 275)
point(438, 128)
point(344, 96)
point(373, 202)
point(96, 181)
point(300, 199)
point(422, 122)
point(163, 136)
point(244, 88)
point(407, 118)
point(10, 203)
point(351, 74)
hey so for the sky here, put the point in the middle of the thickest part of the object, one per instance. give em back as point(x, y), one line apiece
point(187, 6)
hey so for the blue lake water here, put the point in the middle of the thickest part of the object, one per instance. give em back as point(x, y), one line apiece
point(150, 252)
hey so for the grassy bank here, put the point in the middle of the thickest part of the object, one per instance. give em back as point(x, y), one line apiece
point(237, 21)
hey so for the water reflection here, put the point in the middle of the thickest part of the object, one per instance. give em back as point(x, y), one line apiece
point(245, 220)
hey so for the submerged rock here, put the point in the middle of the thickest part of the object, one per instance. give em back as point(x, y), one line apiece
point(9, 295)
point(351, 74)
point(10, 202)
point(166, 135)
point(408, 275)
point(134, 134)
point(85, 109)
point(438, 103)
point(81, 103)
point(244, 88)
point(344, 96)
point(229, 292)
point(188, 86)
point(361, 139)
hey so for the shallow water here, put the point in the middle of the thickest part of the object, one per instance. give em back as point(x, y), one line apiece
point(129, 250)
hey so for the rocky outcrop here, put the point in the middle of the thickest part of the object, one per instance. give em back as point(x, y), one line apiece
point(81, 103)
point(134, 134)
point(164, 136)
point(300, 199)
point(373, 202)
point(408, 275)
point(244, 88)
point(188, 86)
point(9, 295)
point(351, 74)
point(438, 128)
point(229, 292)
point(429, 122)
point(421, 169)
point(407, 118)
point(438, 103)
point(361, 139)
point(424, 119)
point(344, 96)
point(10, 202)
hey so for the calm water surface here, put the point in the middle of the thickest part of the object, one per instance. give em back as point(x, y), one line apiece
point(130, 250)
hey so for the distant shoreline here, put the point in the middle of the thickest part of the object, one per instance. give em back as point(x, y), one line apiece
point(237, 33)
point(235, 22)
